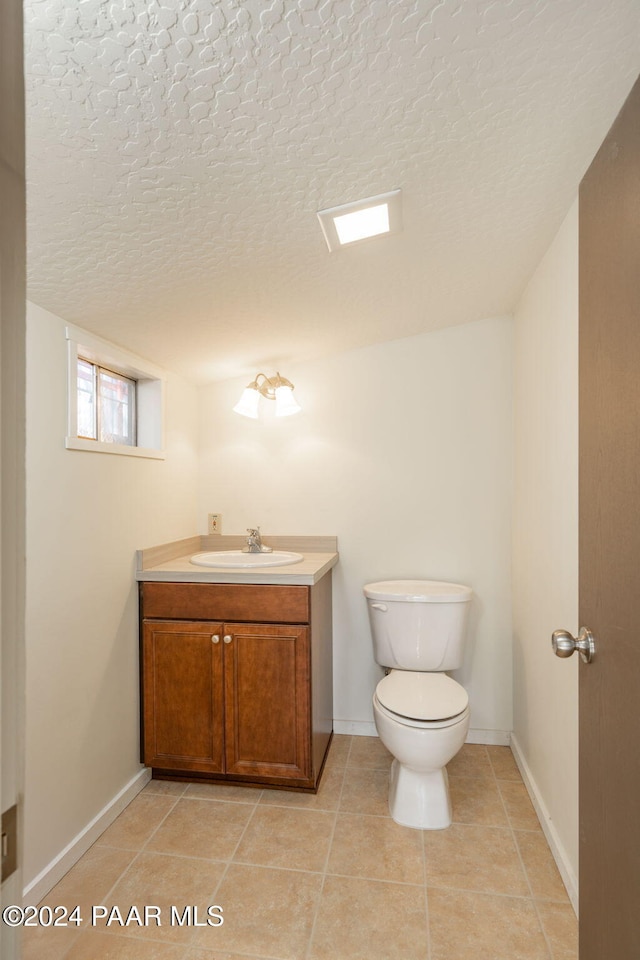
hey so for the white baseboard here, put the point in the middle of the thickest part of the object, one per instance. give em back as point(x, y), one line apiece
point(358, 728)
point(497, 738)
point(55, 871)
point(362, 728)
point(557, 849)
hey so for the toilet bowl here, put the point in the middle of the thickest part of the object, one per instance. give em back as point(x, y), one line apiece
point(421, 747)
point(421, 714)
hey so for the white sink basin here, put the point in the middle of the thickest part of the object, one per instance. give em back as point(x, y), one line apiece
point(236, 558)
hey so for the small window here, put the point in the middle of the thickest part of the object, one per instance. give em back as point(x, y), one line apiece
point(116, 400)
point(106, 405)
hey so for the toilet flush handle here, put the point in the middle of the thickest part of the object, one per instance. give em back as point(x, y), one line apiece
point(379, 606)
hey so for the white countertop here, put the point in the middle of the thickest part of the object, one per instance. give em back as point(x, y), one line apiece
point(178, 569)
point(308, 571)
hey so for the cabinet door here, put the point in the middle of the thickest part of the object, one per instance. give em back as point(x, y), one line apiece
point(267, 716)
point(183, 696)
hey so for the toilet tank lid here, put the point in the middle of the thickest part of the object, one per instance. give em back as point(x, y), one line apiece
point(418, 591)
point(422, 696)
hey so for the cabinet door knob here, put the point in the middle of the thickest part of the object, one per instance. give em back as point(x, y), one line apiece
point(228, 638)
point(215, 638)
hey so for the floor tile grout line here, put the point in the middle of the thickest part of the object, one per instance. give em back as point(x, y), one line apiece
point(269, 866)
point(144, 849)
point(429, 886)
point(526, 873)
point(332, 873)
point(518, 779)
point(240, 803)
point(326, 862)
point(190, 948)
point(216, 859)
point(426, 893)
point(77, 934)
point(231, 860)
point(124, 933)
point(164, 853)
point(136, 854)
point(147, 938)
point(153, 833)
point(150, 792)
point(392, 883)
point(492, 893)
point(244, 830)
point(214, 896)
point(85, 927)
point(190, 941)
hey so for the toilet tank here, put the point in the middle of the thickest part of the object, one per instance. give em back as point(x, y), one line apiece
point(418, 624)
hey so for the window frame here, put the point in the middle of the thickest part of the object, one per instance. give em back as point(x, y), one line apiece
point(132, 415)
point(150, 383)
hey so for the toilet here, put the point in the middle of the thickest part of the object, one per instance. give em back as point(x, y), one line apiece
point(421, 714)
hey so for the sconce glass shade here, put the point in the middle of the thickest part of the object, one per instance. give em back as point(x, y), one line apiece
point(286, 402)
point(247, 405)
point(271, 388)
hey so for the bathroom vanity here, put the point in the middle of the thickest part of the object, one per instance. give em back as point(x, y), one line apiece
point(236, 665)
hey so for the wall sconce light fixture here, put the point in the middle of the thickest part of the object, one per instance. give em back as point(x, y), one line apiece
point(272, 388)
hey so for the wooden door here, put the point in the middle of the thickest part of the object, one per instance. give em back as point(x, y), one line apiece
point(610, 544)
point(267, 714)
point(183, 695)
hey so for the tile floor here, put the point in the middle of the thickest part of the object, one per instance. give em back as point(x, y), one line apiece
point(325, 877)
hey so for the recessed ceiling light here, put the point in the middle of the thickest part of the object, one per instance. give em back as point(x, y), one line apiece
point(361, 224)
point(361, 220)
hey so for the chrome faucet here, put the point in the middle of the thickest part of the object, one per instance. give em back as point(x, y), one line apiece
point(254, 542)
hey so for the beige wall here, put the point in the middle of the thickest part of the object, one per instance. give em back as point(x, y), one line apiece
point(87, 513)
point(545, 538)
point(12, 436)
point(404, 451)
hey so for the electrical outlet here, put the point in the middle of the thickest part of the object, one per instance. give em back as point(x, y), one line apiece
point(215, 523)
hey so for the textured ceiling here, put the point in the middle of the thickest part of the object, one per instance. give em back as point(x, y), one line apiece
point(178, 152)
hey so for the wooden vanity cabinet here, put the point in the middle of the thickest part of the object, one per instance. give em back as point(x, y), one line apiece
point(229, 698)
point(183, 695)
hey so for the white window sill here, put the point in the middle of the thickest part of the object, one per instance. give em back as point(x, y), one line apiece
point(120, 449)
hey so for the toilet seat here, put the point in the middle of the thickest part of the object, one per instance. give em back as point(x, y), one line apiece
point(401, 721)
point(421, 698)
